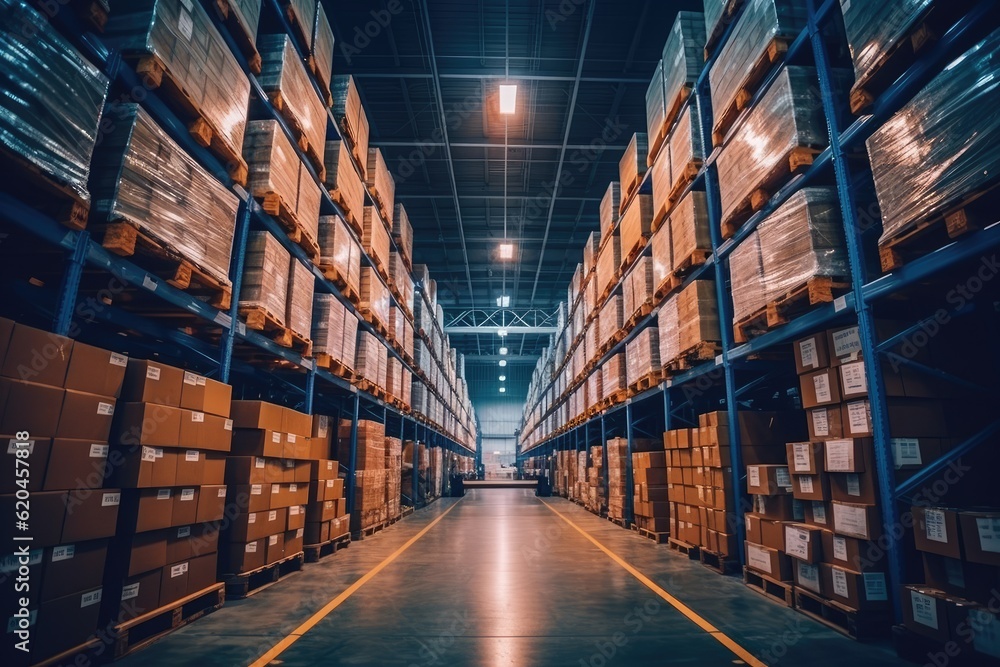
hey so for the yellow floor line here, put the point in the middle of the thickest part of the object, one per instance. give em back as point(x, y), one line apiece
point(688, 613)
point(311, 622)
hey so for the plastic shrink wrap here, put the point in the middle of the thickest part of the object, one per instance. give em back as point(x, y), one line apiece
point(941, 146)
point(275, 169)
point(367, 356)
point(339, 250)
point(328, 328)
point(683, 58)
point(301, 286)
point(52, 101)
point(635, 224)
point(284, 78)
point(632, 166)
point(655, 107)
point(322, 46)
point(608, 264)
point(343, 182)
point(265, 276)
point(686, 153)
point(874, 28)
point(351, 117)
point(302, 15)
point(714, 10)
point(642, 355)
point(662, 257)
point(374, 295)
point(638, 287)
point(617, 455)
point(689, 233)
point(402, 230)
point(595, 386)
point(142, 177)
point(760, 24)
point(747, 278)
point(375, 238)
point(687, 319)
point(661, 178)
point(610, 205)
point(788, 115)
point(381, 184)
point(400, 277)
point(247, 15)
point(182, 37)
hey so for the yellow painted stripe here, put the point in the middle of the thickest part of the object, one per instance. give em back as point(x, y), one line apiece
point(311, 622)
point(688, 613)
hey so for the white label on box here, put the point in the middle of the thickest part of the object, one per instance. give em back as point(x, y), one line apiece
point(800, 457)
point(118, 359)
point(924, 609)
point(299, 532)
point(258, 462)
point(806, 483)
point(905, 452)
point(819, 513)
point(201, 380)
point(252, 518)
point(228, 425)
point(163, 494)
point(797, 542)
point(221, 493)
point(853, 484)
point(850, 520)
point(329, 484)
point(90, 598)
point(98, 451)
point(293, 488)
point(191, 378)
point(989, 533)
point(276, 437)
point(839, 455)
point(158, 452)
point(821, 384)
point(256, 490)
point(954, 573)
point(178, 570)
point(197, 417)
point(840, 303)
point(753, 476)
point(758, 558)
point(821, 426)
point(846, 342)
point(875, 589)
point(271, 541)
point(187, 494)
point(293, 510)
point(808, 576)
point(987, 627)
point(272, 515)
point(184, 531)
point(192, 456)
point(853, 377)
point(149, 284)
point(63, 553)
point(110, 499)
point(152, 373)
point(185, 24)
point(130, 591)
point(857, 417)
point(12, 446)
point(289, 463)
point(251, 548)
point(840, 583)
point(291, 438)
point(840, 548)
point(937, 529)
point(782, 477)
point(807, 350)
point(105, 409)
point(276, 488)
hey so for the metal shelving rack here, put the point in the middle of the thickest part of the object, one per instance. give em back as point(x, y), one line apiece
point(307, 387)
point(734, 365)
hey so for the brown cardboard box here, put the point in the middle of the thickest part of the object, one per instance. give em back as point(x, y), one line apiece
point(804, 458)
point(143, 467)
point(820, 388)
point(753, 527)
point(275, 545)
point(214, 433)
point(807, 576)
point(321, 512)
point(70, 568)
point(179, 544)
point(38, 457)
point(847, 455)
point(244, 557)
point(250, 470)
point(323, 469)
point(152, 382)
point(139, 594)
point(85, 416)
point(258, 415)
point(769, 562)
point(211, 503)
point(6, 330)
point(844, 344)
point(857, 590)
point(258, 442)
point(74, 464)
point(853, 380)
point(777, 507)
point(972, 581)
point(852, 553)
point(804, 542)
point(317, 533)
point(204, 539)
point(202, 394)
point(296, 517)
point(185, 506)
point(134, 554)
point(146, 509)
point(147, 424)
point(90, 515)
point(818, 514)
point(251, 497)
point(201, 573)
point(297, 447)
point(825, 423)
point(768, 480)
point(190, 467)
point(925, 612)
point(296, 423)
point(30, 407)
point(215, 468)
point(811, 487)
point(811, 353)
point(250, 526)
point(860, 521)
point(936, 530)
point(66, 622)
point(772, 534)
point(174, 582)
point(854, 487)
point(294, 541)
point(981, 536)
point(37, 356)
point(96, 371)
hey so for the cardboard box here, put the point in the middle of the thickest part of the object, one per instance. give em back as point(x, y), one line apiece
point(818, 514)
point(215, 469)
point(853, 380)
point(201, 573)
point(152, 382)
point(37, 356)
point(244, 557)
point(66, 622)
point(141, 552)
point(71, 568)
point(854, 487)
point(258, 442)
point(74, 464)
point(202, 394)
point(769, 562)
point(936, 531)
point(296, 423)
point(143, 467)
point(847, 455)
point(860, 521)
point(317, 532)
point(296, 517)
point(294, 541)
point(149, 424)
point(38, 457)
point(820, 388)
point(174, 582)
point(807, 576)
point(752, 523)
point(852, 553)
point(811, 353)
point(185, 506)
point(804, 458)
point(925, 612)
point(768, 480)
point(857, 590)
point(825, 422)
point(211, 503)
point(96, 371)
point(844, 344)
point(811, 487)
point(275, 545)
point(251, 470)
point(772, 534)
point(251, 497)
point(190, 467)
point(981, 536)
point(214, 433)
point(85, 416)
point(30, 407)
point(146, 509)
point(803, 542)
point(323, 470)
point(139, 594)
point(258, 415)
point(784, 507)
point(972, 581)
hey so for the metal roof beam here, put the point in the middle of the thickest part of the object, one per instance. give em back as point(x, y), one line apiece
point(483, 143)
point(500, 76)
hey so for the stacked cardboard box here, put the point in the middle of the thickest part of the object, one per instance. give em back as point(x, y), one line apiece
point(610, 207)
point(436, 473)
point(617, 460)
point(638, 289)
point(268, 478)
point(171, 436)
point(299, 305)
point(402, 232)
point(649, 473)
point(394, 477)
point(325, 516)
point(334, 332)
point(688, 321)
point(596, 499)
point(375, 239)
point(582, 492)
point(643, 356)
point(58, 399)
point(340, 253)
point(265, 276)
point(381, 185)
point(321, 49)
point(614, 377)
point(632, 167)
point(374, 296)
point(636, 223)
point(351, 117)
point(370, 478)
point(343, 182)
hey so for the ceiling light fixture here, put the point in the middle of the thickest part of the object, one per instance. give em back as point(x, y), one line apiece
point(508, 98)
point(503, 351)
point(503, 378)
point(503, 301)
point(506, 250)
point(503, 362)
point(502, 333)
point(503, 390)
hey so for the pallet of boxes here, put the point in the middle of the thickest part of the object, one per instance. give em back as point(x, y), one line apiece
point(267, 480)
point(617, 455)
point(596, 498)
point(370, 510)
point(652, 507)
point(327, 526)
point(393, 478)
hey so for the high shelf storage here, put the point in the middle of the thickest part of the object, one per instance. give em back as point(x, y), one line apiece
point(750, 372)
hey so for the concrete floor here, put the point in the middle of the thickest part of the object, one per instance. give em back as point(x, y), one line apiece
point(502, 580)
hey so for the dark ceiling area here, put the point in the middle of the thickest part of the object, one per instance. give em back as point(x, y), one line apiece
point(429, 73)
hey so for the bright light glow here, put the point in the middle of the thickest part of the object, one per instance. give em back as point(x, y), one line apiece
point(503, 378)
point(503, 390)
point(508, 98)
point(503, 302)
point(506, 251)
point(502, 333)
point(503, 362)
point(503, 351)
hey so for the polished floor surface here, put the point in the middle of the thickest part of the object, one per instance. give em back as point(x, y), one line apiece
point(503, 580)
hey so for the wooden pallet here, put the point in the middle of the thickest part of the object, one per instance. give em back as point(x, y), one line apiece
point(245, 584)
point(276, 207)
point(718, 562)
point(43, 192)
point(685, 265)
point(137, 633)
point(369, 531)
point(775, 51)
point(407, 511)
point(647, 381)
point(633, 254)
point(861, 625)
point(973, 211)
point(618, 521)
point(779, 591)
point(260, 319)
point(369, 316)
point(795, 161)
point(680, 546)
point(321, 81)
point(694, 356)
point(314, 153)
point(156, 76)
point(335, 366)
point(917, 648)
point(315, 552)
point(644, 310)
point(244, 40)
point(126, 240)
point(670, 284)
point(336, 276)
point(352, 218)
point(71, 656)
point(683, 180)
point(816, 290)
point(658, 538)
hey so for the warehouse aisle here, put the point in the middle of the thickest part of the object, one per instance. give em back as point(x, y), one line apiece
point(501, 579)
